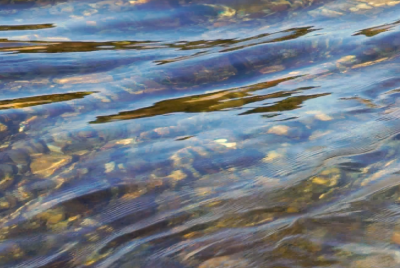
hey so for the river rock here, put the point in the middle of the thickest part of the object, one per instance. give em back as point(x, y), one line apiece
point(7, 173)
point(224, 262)
point(3, 127)
point(280, 6)
point(44, 166)
point(375, 261)
point(7, 202)
point(53, 216)
point(32, 147)
point(19, 156)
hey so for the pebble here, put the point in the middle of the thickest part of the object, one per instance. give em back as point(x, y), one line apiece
point(52, 216)
point(320, 181)
point(3, 127)
point(6, 176)
point(375, 261)
point(55, 218)
point(292, 210)
point(55, 148)
point(44, 166)
point(279, 6)
point(7, 202)
point(19, 156)
point(177, 175)
point(32, 146)
point(396, 238)
point(225, 262)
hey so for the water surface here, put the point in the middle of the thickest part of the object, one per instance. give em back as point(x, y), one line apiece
point(203, 133)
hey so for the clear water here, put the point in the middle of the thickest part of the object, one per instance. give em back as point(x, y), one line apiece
point(204, 133)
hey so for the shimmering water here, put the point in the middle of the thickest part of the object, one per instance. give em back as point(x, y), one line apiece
point(203, 133)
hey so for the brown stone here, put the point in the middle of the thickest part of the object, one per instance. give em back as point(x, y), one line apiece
point(375, 261)
point(7, 173)
point(224, 262)
point(19, 156)
point(396, 238)
point(44, 166)
point(52, 216)
point(280, 6)
point(55, 218)
point(3, 127)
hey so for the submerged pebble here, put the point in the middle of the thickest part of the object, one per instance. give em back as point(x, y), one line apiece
point(44, 165)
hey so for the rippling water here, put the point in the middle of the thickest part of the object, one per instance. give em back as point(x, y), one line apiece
point(200, 133)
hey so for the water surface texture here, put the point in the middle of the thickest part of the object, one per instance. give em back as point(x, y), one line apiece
point(200, 133)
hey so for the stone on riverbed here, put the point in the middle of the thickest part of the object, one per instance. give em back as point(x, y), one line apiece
point(3, 128)
point(7, 173)
point(19, 156)
point(44, 166)
point(224, 262)
point(32, 146)
point(375, 261)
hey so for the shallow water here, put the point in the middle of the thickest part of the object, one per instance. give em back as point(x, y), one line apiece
point(204, 133)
